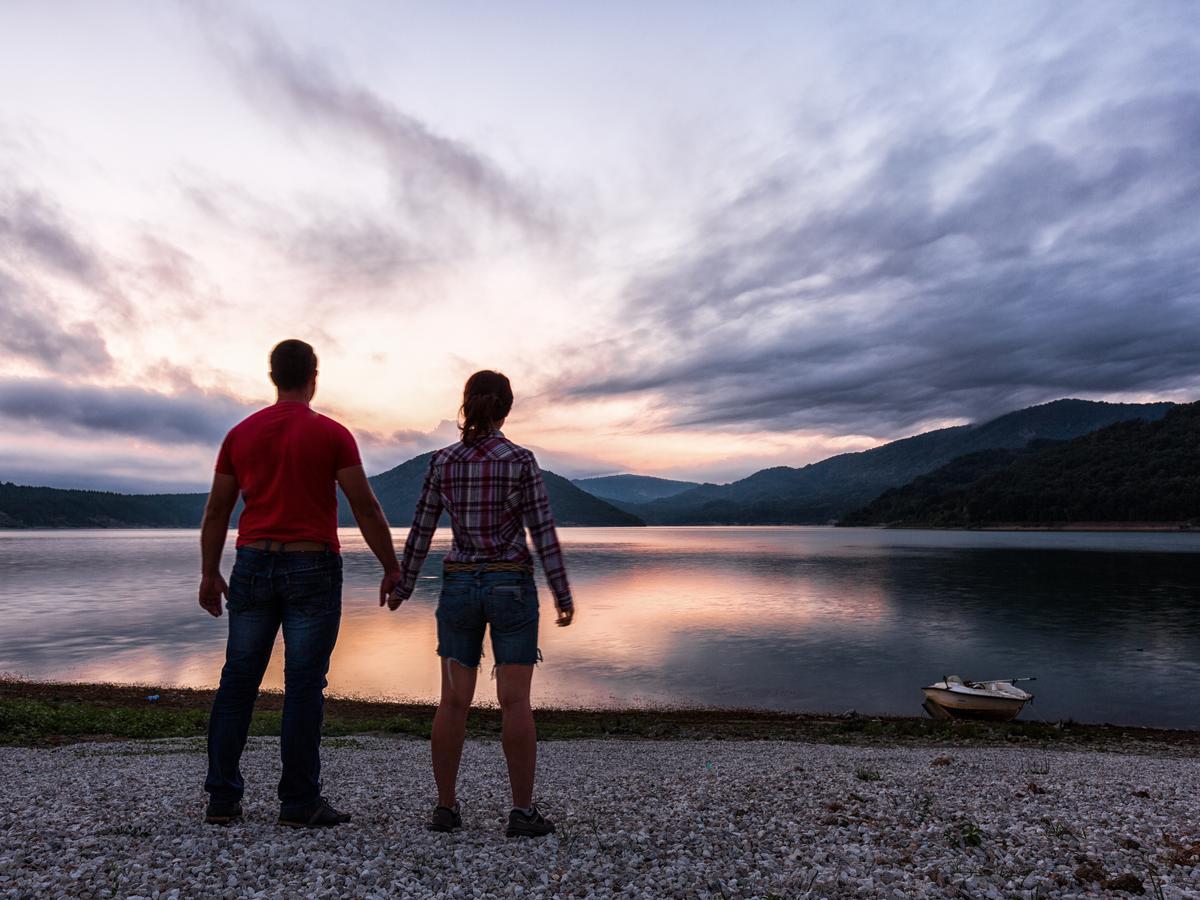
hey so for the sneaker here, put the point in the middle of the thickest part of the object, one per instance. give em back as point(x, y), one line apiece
point(445, 818)
point(319, 815)
point(222, 813)
point(534, 825)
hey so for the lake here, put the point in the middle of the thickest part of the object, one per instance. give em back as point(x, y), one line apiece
point(800, 619)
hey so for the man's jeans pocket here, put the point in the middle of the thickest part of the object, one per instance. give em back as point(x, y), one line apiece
point(314, 589)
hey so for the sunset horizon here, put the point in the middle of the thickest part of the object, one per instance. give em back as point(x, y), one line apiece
point(759, 240)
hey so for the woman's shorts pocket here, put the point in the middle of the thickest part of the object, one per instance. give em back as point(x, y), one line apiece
point(512, 605)
point(457, 606)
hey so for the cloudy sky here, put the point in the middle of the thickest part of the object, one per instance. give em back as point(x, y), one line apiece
point(700, 238)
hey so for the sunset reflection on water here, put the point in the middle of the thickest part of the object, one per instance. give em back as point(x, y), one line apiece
point(786, 618)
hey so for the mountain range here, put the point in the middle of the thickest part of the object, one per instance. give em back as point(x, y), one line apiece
point(1132, 472)
point(825, 491)
point(632, 488)
point(820, 493)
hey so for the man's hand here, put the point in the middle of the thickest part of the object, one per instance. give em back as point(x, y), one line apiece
point(389, 583)
point(565, 616)
point(213, 529)
point(212, 589)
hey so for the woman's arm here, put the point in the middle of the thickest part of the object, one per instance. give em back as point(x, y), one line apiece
point(536, 515)
point(425, 523)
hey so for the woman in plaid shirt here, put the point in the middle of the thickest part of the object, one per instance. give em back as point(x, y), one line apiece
point(492, 490)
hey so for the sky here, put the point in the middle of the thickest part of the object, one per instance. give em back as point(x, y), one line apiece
point(701, 239)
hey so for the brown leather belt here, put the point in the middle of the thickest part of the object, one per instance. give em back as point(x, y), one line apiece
point(486, 567)
point(288, 546)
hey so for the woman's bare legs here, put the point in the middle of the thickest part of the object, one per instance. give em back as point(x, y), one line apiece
point(450, 727)
point(518, 735)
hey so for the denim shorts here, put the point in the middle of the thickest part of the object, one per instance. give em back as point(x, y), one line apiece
point(504, 602)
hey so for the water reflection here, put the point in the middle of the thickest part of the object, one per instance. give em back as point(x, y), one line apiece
point(786, 618)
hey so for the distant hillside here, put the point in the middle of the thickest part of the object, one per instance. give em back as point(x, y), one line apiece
point(828, 490)
point(910, 503)
point(1133, 471)
point(632, 488)
point(42, 507)
point(397, 489)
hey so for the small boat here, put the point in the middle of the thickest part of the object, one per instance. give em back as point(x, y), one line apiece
point(997, 701)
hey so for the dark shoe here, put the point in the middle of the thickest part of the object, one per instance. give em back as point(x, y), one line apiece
point(319, 815)
point(445, 819)
point(222, 813)
point(521, 825)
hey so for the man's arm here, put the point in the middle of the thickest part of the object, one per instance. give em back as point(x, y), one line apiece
point(372, 523)
point(536, 515)
point(213, 529)
point(416, 548)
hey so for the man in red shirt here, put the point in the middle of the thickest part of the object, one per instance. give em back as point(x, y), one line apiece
point(284, 461)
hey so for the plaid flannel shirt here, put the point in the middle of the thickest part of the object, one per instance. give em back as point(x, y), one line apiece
point(492, 490)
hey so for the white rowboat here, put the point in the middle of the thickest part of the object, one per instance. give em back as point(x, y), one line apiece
point(997, 701)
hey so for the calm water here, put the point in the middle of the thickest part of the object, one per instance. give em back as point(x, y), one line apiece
point(811, 619)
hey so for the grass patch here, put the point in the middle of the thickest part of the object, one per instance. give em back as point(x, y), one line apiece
point(33, 721)
point(964, 834)
point(43, 713)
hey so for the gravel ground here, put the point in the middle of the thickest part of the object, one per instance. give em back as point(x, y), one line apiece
point(647, 819)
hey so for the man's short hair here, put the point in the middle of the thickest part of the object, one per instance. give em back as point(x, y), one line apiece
point(293, 364)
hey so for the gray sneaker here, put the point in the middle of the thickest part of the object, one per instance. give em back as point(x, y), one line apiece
point(445, 819)
point(532, 825)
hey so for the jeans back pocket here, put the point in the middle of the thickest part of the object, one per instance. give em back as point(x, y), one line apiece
point(512, 605)
point(314, 588)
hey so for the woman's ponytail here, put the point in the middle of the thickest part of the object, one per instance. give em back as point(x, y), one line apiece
point(487, 399)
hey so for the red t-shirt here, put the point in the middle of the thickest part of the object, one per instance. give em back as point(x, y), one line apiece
point(285, 459)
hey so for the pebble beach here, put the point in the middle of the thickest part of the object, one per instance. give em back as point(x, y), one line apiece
point(635, 819)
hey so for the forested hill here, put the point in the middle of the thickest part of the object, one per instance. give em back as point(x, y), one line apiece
point(1131, 472)
point(828, 490)
point(43, 507)
point(397, 489)
point(632, 488)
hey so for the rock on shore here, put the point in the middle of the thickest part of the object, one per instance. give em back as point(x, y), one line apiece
point(636, 819)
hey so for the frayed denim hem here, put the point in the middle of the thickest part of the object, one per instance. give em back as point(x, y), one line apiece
point(536, 662)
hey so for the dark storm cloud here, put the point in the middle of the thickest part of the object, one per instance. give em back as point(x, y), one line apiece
point(1057, 266)
point(193, 417)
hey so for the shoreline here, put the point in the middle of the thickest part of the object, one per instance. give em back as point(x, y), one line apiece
point(1084, 527)
point(43, 713)
point(1101, 527)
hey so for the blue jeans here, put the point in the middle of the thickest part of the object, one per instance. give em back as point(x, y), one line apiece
point(303, 593)
point(505, 602)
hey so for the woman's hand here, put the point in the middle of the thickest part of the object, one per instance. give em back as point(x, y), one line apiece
point(394, 599)
point(564, 617)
